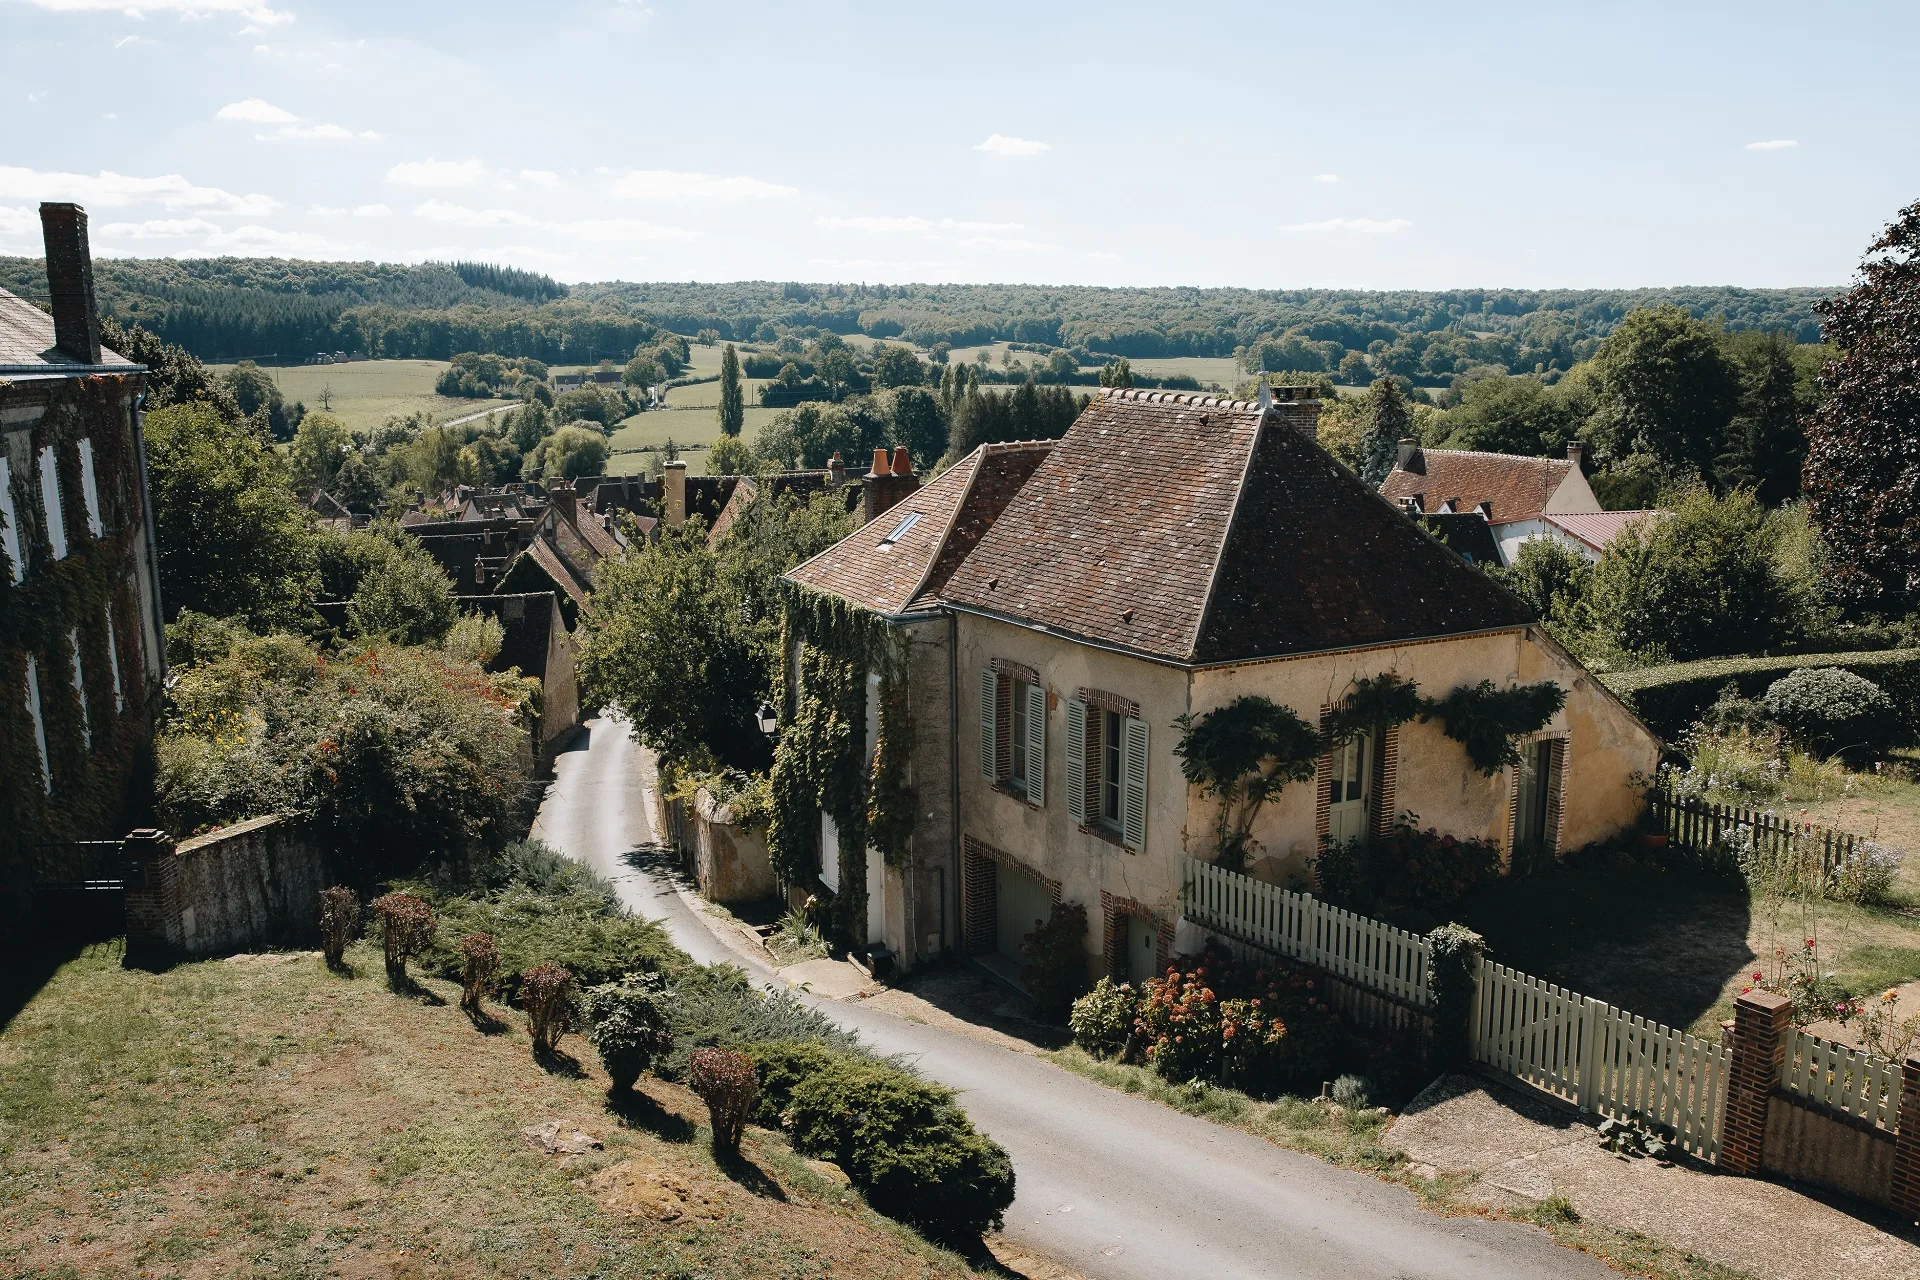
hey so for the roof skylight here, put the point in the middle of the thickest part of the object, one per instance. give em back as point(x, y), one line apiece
point(900, 530)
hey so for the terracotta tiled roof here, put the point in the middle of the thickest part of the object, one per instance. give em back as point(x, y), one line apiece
point(541, 553)
point(1598, 528)
point(1189, 528)
point(1517, 486)
point(872, 568)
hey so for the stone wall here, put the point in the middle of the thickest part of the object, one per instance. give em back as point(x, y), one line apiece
point(254, 884)
point(730, 861)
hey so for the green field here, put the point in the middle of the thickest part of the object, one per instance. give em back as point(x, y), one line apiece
point(366, 393)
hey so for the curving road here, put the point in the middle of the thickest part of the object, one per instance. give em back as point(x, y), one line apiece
point(1113, 1186)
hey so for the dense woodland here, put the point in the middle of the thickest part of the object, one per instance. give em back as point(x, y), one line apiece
point(226, 308)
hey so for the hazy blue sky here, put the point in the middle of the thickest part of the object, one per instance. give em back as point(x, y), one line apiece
point(1391, 145)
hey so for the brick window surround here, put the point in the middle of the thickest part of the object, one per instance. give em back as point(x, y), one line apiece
point(979, 892)
point(1093, 756)
point(1556, 792)
point(1384, 782)
point(1116, 912)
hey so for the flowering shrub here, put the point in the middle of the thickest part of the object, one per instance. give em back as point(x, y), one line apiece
point(1797, 975)
point(1423, 866)
point(339, 917)
point(406, 926)
point(480, 964)
point(725, 1081)
point(1102, 1020)
point(1884, 1031)
point(1054, 959)
point(546, 993)
point(1262, 1030)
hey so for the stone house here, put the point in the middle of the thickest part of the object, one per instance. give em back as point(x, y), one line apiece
point(82, 657)
point(1170, 554)
point(1521, 497)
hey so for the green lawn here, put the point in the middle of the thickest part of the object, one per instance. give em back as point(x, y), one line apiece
point(365, 393)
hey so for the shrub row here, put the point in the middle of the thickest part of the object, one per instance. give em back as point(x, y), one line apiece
point(905, 1143)
point(1673, 697)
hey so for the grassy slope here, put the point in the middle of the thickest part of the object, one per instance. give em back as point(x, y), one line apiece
point(367, 392)
point(261, 1116)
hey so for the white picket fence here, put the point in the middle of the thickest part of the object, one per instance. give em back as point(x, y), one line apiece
point(1604, 1060)
point(1360, 950)
point(1849, 1080)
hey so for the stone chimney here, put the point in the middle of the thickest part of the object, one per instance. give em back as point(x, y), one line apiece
point(674, 477)
point(1575, 452)
point(836, 470)
point(566, 501)
point(76, 319)
point(1297, 407)
point(1410, 458)
point(890, 480)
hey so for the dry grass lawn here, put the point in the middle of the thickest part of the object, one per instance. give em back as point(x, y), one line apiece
point(365, 393)
point(260, 1116)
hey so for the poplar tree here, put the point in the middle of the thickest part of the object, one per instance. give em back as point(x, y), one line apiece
point(733, 402)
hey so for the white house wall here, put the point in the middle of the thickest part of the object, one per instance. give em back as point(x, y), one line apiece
point(1517, 533)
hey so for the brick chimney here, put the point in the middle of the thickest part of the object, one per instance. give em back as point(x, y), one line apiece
point(674, 477)
point(566, 501)
point(890, 480)
point(1296, 407)
point(1575, 452)
point(76, 318)
point(836, 470)
point(1410, 458)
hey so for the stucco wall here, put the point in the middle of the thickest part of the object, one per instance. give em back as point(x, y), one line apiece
point(253, 884)
point(730, 861)
point(923, 899)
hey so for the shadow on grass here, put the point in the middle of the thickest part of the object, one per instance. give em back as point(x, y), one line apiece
point(745, 1173)
point(342, 969)
point(485, 1023)
point(1662, 944)
point(641, 1112)
point(27, 966)
point(559, 1062)
point(403, 984)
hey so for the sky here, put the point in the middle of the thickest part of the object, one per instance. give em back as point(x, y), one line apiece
point(1276, 145)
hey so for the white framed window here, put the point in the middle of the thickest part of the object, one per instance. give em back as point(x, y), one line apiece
point(39, 725)
point(113, 664)
point(9, 525)
point(89, 490)
point(1350, 791)
point(50, 502)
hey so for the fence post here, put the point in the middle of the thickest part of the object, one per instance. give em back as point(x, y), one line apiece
point(1592, 1025)
point(1906, 1144)
point(1758, 1048)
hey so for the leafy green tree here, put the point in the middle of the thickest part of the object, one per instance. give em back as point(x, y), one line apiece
point(173, 375)
point(840, 373)
point(320, 446)
point(568, 454)
point(641, 371)
point(1509, 415)
point(1550, 576)
point(1389, 418)
point(527, 427)
point(1666, 389)
point(355, 485)
point(592, 404)
point(733, 400)
point(1864, 440)
point(730, 456)
point(489, 460)
point(1117, 374)
point(404, 596)
point(919, 422)
point(233, 541)
point(1766, 442)
point(897, 366)
point(253, 390)
point(433, 461)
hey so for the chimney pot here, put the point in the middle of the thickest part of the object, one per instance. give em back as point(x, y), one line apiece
point(1575, 452)
point(902, 461)
point(76, 317)
point(880, 465)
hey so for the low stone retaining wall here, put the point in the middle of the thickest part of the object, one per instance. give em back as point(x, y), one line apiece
point(1843, 1153)
point(253, 884)
point(730, 862)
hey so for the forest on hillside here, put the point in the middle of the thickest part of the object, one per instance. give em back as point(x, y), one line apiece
point(226, 308)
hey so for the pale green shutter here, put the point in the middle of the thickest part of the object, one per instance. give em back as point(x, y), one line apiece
point(1077, 760)
point(1037, 744)
point(1133, 783)
point(989, 722)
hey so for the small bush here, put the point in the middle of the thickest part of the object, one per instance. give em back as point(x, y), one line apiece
point(1423, 867)
point(1830, 710)
point(1352, 1092)
point(717, 1006)
point(627, 1026)
point(782, 1066)
point(905, 1144)
point(1102, 1020)
point(546, 993)
point(480, 964)
point(1054, 964)
point(406, 926)
point(1264, 1031)
point(339, 920)
point(725, 1081)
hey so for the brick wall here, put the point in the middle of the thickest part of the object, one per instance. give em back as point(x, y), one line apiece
point(253, 884)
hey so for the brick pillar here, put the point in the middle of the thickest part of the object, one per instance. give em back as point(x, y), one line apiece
point(1906, 1144)
point(152, 890)
point(1759, 1049)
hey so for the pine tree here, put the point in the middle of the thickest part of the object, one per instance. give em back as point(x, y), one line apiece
point(733, 404)
point(1389, 417)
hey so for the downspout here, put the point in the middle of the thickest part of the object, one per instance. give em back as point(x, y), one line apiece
point(953, 766)
point(139, 414)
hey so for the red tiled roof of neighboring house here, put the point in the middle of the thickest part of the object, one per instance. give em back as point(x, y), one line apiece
point(541, 552)
point(1516, 485)
point(1202, 530)
point(887, 574)
point(597, 533)
point(1598, 529)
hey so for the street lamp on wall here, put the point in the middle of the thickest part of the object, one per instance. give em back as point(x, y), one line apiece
point(768, 721)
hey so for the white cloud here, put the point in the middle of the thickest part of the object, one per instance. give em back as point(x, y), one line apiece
point(669, 184)
point(255, 111)
point(372, 211)
point(304, 132)
point(873, 223)
point(1366, 226)
point(18, 222)
point(36, 96)
point(252, 10)
point(615, 230)
point(460, 215)
point(437, 173)
point(1772, 144)
point(1000, 144)
point(266, 242)
point(1010, 246)
point(1326, 177)
point(159, 229)
point(541, 178)
point(326, 211)
point(124, 41)
point(109, 190)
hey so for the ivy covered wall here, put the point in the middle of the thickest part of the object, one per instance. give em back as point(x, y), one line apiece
point(99, 755)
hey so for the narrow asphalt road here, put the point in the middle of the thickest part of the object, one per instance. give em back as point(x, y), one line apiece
point(1111, 1185)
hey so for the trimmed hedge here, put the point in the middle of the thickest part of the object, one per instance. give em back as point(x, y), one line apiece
point(1672, 697)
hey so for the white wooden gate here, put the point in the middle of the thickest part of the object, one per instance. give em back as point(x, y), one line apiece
point(1849, 1080)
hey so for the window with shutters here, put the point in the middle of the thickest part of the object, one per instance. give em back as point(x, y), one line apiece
point(1013, 731)
point(1107, 767)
